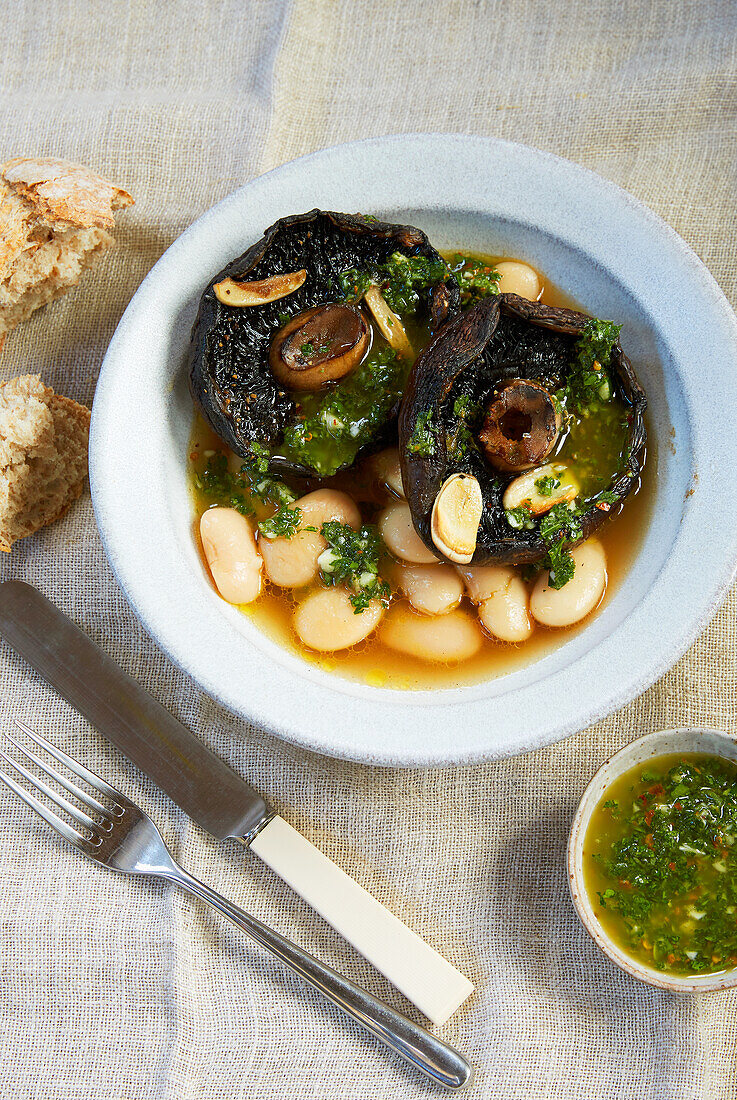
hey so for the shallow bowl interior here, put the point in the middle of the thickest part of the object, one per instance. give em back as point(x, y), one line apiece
point(591, 239)
point(639, 752)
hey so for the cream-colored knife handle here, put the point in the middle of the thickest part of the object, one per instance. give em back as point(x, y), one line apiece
point(415, 968)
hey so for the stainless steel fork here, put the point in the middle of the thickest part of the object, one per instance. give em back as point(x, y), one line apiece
point(122, 837)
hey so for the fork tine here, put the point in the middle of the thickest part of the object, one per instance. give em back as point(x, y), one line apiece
point(90, 802)
point(57, 824)
point(74, 766)
point(79, 815)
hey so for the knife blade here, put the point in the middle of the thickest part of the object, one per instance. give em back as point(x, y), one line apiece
point(217, 798)
point(210, 792)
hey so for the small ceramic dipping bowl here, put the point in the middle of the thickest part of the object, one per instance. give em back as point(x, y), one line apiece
point(639, 752)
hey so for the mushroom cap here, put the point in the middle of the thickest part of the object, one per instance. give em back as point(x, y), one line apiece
point(477, 353)
point(229, 371)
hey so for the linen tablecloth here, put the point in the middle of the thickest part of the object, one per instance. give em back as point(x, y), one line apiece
point(114, 989)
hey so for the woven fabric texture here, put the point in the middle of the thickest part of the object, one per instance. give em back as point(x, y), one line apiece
point(114, 989)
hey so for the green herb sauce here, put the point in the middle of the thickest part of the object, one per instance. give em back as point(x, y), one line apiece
point(660, 863)
point(334, 424)
point(422, 440)
point(594, 438)
point(475, 276)
point(352, 559)
point(400, 280)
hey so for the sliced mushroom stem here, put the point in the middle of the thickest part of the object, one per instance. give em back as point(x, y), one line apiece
point(318, 346)
point(456, 516)
point(260, 292)
point(521, 426)
point(387, 321)
point(541, 489)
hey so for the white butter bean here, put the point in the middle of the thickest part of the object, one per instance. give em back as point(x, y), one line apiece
point(326, 620)
point(506, 613)
point(571, 603)
point(524, 493)
point(432, 589)
point(503, 600)
point(482, 581)
point(452, 637)
point(397, 530)
point(292, 563)
point(387, 470)
point(230, 549)
point(518, 278)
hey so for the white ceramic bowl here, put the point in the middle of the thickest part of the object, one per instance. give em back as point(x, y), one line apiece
point(589, 237)
point(638, 752)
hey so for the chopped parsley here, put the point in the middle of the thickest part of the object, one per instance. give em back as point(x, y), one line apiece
point(546, 484)
point(260, 461)
point(589, 382)
point(520, 518)
point(459, 441)
point(400, 280)
point(476, 278)
point(229, 490)
point(282, 525)
point(559, 526)
point(352, 559)
point(422, 440)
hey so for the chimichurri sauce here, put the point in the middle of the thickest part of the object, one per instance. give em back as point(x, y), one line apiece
point(660, 863)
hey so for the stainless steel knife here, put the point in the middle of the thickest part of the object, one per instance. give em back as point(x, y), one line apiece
point(217, 798)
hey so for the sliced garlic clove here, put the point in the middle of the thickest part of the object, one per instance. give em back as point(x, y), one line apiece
point(388, 323)
point(260, 292)
point(456, 516)
point(524, 491)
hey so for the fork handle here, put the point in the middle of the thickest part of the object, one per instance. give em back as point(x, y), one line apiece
point(424, 1051)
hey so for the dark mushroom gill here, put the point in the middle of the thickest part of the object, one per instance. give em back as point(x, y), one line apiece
point(230, 376)
point(468, 364)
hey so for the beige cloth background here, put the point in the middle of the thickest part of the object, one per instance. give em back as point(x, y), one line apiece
point(119, 990)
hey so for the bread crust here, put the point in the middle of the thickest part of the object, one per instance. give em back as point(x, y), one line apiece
point(55, 218)
point(43, 457)
point(65, 194)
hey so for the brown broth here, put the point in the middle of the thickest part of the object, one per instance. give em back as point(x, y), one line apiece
point(378, 665)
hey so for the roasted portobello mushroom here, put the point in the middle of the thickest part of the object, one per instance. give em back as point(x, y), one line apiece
point(521, 431)
point(302, 345)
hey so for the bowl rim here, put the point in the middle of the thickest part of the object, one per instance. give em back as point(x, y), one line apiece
point(327, 695)
point(629, 756)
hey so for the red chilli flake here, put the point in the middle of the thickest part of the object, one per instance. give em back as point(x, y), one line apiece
point(603, 506)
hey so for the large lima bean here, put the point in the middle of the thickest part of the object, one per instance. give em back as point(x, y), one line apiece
point(518, 278)
point(229, 544)
point(387, 470)
point(326, 620)
point(398, 532)
point(441, 638)
point(575, 600)
point(292, 562)
point(503, 600)
point(432, 589)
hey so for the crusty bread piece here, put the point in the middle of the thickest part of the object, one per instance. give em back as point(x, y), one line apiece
point(54, 222)
point(43, 456)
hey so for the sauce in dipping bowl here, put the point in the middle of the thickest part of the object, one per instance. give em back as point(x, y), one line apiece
point(652, 860)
